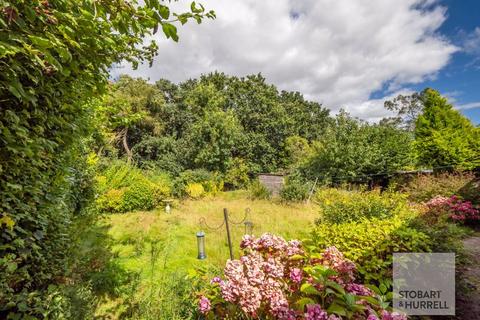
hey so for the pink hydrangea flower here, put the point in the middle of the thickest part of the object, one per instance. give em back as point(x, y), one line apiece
point(204, 305)
point(335, 260)
point(358, 289)
point(296, 275)
point(393, 316)
point(265, 280)
point(315, 312)
point(437, 201)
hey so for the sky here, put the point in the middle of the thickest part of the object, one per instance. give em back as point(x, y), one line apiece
point(342, 53)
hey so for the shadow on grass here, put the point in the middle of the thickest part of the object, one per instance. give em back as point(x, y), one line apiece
point(97, 277)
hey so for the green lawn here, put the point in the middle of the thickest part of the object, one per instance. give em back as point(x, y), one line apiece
point(156, 245)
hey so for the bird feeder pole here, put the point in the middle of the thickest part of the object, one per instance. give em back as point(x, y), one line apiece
point(225, 216)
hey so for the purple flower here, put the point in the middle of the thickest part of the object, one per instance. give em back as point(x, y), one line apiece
point(204, 305)
point(216, 280)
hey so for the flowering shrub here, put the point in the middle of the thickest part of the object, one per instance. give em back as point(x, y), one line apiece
point(340, 206)
point(276, 279)
point(453, 207)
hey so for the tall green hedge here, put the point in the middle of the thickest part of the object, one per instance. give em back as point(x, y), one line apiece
point(54, 56)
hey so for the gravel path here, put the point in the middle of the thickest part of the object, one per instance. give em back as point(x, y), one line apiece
point(468, 305)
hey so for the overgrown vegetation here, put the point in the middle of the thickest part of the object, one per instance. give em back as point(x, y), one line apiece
point(339, 206)
point(423, 187)
point(76, 148)
point(55, 57)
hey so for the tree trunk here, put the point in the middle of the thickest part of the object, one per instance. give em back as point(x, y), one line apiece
point(125, 146)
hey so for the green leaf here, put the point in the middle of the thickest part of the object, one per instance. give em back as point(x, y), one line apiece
point(308, 288)
point(16, 88)
point(170, 31)
point(336, 286)
point(40, 42)
point(303, 302)
point(337, 309)
point(350, 299)
point(164, 12)
point(370, 300)
point(383, 288)
point(64, 54)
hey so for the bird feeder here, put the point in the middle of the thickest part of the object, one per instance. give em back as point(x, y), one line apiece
point(201, 245)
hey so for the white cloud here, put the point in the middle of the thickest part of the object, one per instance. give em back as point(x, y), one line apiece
point(472, 42)
point(471, 105)
point(337, 52)
point(373, 109)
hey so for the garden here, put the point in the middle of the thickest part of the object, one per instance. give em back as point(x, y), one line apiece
point(328, 258)
point(113, 191)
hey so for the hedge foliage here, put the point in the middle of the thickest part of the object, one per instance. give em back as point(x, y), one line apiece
point(54, 57)
point(371, 243)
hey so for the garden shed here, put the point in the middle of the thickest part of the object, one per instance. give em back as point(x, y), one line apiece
point(272, 181)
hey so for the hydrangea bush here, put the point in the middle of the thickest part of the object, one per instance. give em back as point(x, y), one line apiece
point(454, 208)
point(276, 279)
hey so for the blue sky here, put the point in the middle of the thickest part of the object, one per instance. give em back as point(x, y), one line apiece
point(462, 75)
point(344, 54)
point(460, 78)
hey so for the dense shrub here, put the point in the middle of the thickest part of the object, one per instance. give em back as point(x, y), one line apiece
point(295, 189)
point(276, 279)
point(370, 243)
point(111, 201)
point(338, 206)
point(143, 195)
point(258, 191)
point(211, 182)
point(236, 176)
point(424, 187)
point(126, 188)
point(52, 64)
point(195, 190)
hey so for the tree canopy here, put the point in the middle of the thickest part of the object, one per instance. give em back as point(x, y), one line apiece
point(443, 136)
